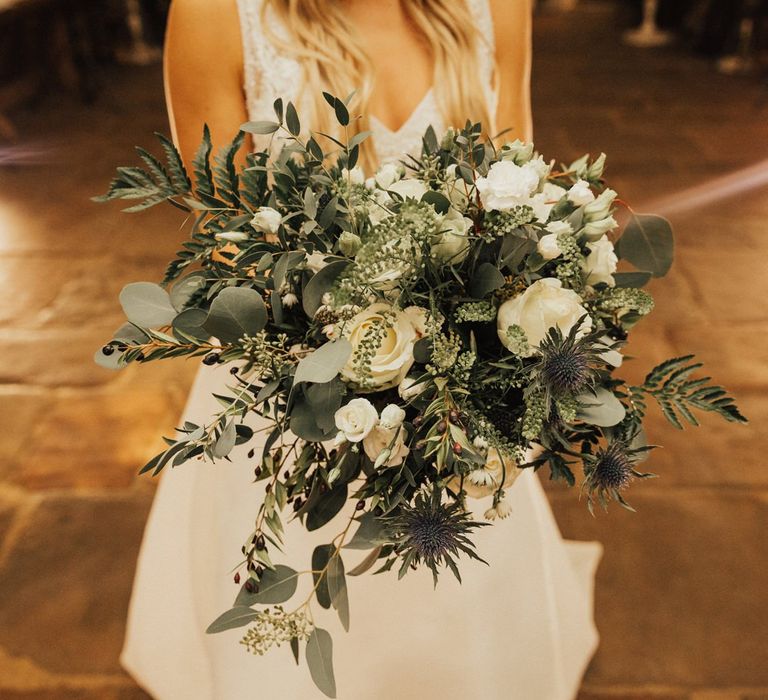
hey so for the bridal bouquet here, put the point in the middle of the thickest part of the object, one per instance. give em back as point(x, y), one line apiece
point(409, 341)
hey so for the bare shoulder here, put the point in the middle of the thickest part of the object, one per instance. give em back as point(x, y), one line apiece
point(210, 27)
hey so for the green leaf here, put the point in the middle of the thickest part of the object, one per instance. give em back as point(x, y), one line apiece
point(632, 279)
point(438, 200)
point(342, 113)
point(320, 661)
point(226, 440)
point(304, 422)
point(337, 588)
point(320, 283)
point(260, 127)
point(369, 534)
point(320, 557)
point(239, 616)
point(147, 305)
point(487, 279)
point(295, 649)
point(323, 364)
point(329, 505)
point(235, 312)
point(602, 408)
point(185, 288)
point(325, 400)
point(292, 120)
point(276, 586)
point(130, 335)
point(367, 563)
point(648, 243)
point(191, 323)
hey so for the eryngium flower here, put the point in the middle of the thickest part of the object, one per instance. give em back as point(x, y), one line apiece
point(568, 364)
point(433, 533)
point(610, 471)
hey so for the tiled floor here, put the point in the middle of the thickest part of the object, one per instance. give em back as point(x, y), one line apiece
point(681, 595)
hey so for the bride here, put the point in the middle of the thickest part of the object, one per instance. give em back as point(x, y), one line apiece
point(519, 629)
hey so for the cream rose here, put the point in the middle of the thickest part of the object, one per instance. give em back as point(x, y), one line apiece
point(452, 244)
point(508, 185)
point(388, 360)
point(409, 188)
point(266, 220)
point(356, 419)
point(380, 439)
point(542, 306)
point(547, 246)
point(601, 262)
point(387, 174)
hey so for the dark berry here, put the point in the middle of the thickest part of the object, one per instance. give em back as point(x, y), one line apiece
point(454, 416)
point(259, 571)
point(211, 359)
point(261, 543)
point(108, 350)
point(233, 370)
point(418, 421)
point(360, 504)
point(251, 453)
point(237, 577)
point(250, 586)
point(268, 488)
point(442, 426)
point(457, 448)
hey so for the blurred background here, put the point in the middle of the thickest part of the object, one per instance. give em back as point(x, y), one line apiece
point(676, 92)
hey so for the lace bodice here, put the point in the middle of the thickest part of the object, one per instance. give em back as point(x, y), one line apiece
point(270, 73)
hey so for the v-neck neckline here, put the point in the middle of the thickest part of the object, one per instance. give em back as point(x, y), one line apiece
point(409, 120)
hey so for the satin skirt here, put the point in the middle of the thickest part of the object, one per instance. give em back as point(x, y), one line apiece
point(520, 628)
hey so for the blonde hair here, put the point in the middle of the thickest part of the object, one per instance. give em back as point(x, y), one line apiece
point(333, 59)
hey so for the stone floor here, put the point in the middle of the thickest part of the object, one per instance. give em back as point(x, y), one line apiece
point(681, 595)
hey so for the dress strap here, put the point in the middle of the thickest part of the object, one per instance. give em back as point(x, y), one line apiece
point(486, 51)
point(252, 37)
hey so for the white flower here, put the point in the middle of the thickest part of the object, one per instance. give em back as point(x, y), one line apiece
point(544, 201)
point(484, 481)
point(418, 317)
point(517, 151)
point(601, 207)
point(601, 262)
point(378, 208)
point(355, 176)
point(542, 306)
point(547, 246)
point(232, 236)
point(387, 174)
point(290, 300)
point(381, 438)
point(393, 357)
point(266, 220)
point(480, 443)
point(581, 194)
point(503, 509)
point(316, 261)
point(559, 227)
point(409, 388)
point(595, 229)
point(452, 245)
point(357, 419)
point(392, 416)
point(409, 188)
point(508, 185)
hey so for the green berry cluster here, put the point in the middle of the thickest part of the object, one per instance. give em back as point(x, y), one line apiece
point(625, 300)
point(274, 627)
point(502, 223)
point(535, 414)
point(475, 311)
point(517, 341)
point(569, 268)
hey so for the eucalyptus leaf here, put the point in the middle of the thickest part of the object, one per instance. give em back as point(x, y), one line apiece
point(130, 335)
point(337, 588)
point(276, 586)
point(147, 305)
point(260, 127)
point(226, 441)
point(304, 422)
point(191, 323)
point(487, 279)
point(239, 616)
point(327, 507)
point(438, 200)
point(648, 243)
point(320, 283)
point(185, 288)
point(323, 364)
point(325, 400)
point(235, 312)
point(631, 279)
point(367, 563)
point(320, 557)
point(369, 534)
point(602, 409)
point(319, 655)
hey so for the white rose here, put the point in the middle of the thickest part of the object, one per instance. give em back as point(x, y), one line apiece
point(547, 246)
point(388, 174)
point(508, 185)
point(410, 388)
point(380, 439)
point(544, 305)
point(409, 188)
point(601, 262)
point(316, 261)
point(452, 244)
point(559, 227)
point(490, 475)
point(355, 176)
point(601, 207)
point(266, 220)
point(394, 355)
point(392, 416)
point(581, 194)
point(357, 419)
point(544, 201)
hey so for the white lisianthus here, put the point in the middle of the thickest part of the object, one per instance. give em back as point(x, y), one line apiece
point(355, 176)
point(547, 246)
point(452, 244)
point(594, 230)
point(384, 438)
point(409, 188)
point(316, 261)
point(289, 300)
point(392, 416)
point(559, 227)
point(544, 305)
point(601, 262)
point(389, 361)
point(388, 174)
point(356, 419)
point(488, 478)
point(267, 220)
point(517, 151)
point(232, 236)
point(601, 207)
point(581, 194)
point(410, 388)
point(508, 185)
point(544, 201)
point(503, 509)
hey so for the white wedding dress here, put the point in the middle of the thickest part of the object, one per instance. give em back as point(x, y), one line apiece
point(519, 629)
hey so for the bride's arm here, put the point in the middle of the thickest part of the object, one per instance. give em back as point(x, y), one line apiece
point(512, 30)
point(203, 68)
